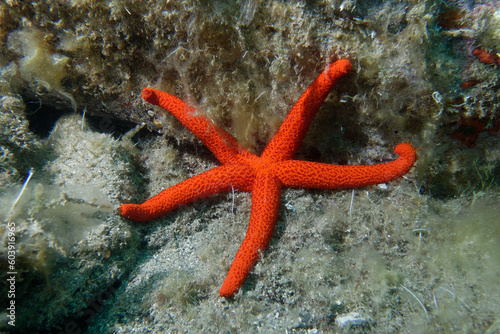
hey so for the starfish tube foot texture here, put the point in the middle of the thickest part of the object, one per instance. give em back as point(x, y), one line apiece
point(263, 176)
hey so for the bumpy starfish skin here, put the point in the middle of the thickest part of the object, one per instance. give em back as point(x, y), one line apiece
point(263, 176)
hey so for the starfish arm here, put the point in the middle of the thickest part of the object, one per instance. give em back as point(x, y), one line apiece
point(305, 174)
point(213, 181)
point(222, 144)
point(266, 193)
point(287, 140)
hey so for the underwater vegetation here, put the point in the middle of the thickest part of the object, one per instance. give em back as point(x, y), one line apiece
point(416, 256)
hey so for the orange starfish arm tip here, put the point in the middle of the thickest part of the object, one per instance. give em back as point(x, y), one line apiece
point(407, 152)
point(339, 68)
point(149, 96)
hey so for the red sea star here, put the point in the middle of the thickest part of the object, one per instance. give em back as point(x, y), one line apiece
point(263, 176)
